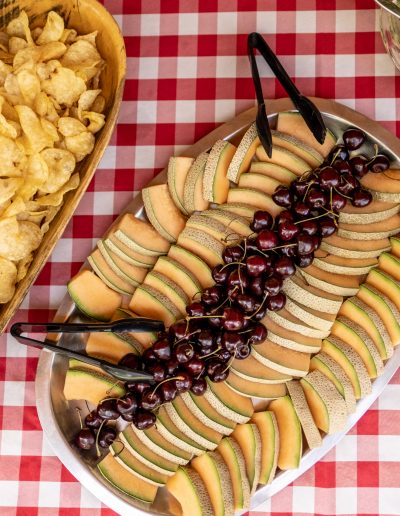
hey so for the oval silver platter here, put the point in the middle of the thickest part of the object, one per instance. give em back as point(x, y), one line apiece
point(58, 417)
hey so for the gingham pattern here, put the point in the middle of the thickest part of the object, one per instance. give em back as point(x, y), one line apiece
point(187, 73)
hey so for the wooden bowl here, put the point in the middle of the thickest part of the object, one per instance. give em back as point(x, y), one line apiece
point(84, 16)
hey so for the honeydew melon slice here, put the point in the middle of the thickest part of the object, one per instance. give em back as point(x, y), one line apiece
point(187, 487)
point(149, 302)
point(374, 212)
point(124, 481)
point(290, 339)
point(384, 307)
point(187, 422)
point(291, 322)
point(382, 187)
point(217, 423)
point(268, 428)
point(281, 359)
point(234, 223)
point(373, 231)
point(301, 149)
point(249, 439)
point(334, 372)
point(355, 248)
point(285, 158)
point(239, 208)
point(193, 199)
point(141, 340)
point(250, 389)
point(255, 198)
point(311, 432)
point(339, 265)
point(231, 405)
point(356, 310)
point(208, 225)
point(244, 154)
point(290, 435)
point(215, 181)
point(178, 168)
point(235, 462)
point(193, 264)
point(327, 406)
point(91, 386)
point(300, 291)
point(110, 346)
point(167, 428)
point(259, 182)
point(140, 236)
point(215, 475)
point(92, 296)
point(386, 284)
point(136, 467)
point(319, 320)
point(281, 174)
point(168, 288)
point(351, 363)
point(178, 273)
point(292, 122)
point(153, 440)
point(129, 255)
point(395, 243)
point(126, 271)
point(203, 245)
point(105, 273)
point(390, 264)
point(255, 370)
point(332, 283)
point(135, 445)
point(162, 212)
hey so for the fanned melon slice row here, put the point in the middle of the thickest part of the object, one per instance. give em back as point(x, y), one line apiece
point(138, 338)
point(290, 339)
point(385, 284)
point(340, 265)
point(249, 439)
point(133, 274)
point(106, 273)
point(192, 263)
point(254, 370)
point(281, 174)
point(250, 389)
point(212, 227)
point(383, 187)
point(153, 440)
point(193, 199)
point(281, 359)
point(240, 208)
point(298, 147)
point(168, 288)
point(208, 248)
point(285, 158)
point(231, 405)
point(390, 264)
point(206, 414)
point(168, 429)
point(332, 283)
point(178, 273)
point(373, 231)
point(288, 320)
point(189, 490)
point(374, 212)
point(150, 302)
point(259, 182)
point(244, 154)
point(235, 224)
point(395, 243)
point(129, 255)
point(268, 428)
point(110, 346)
point(215, 181)
point(319, 320)
point(259, 200)
point(177, 171)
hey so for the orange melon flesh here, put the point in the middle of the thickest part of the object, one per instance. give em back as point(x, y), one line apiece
point(284, 158)
point(249, 439)
point(268, 428)
point(162, 212)
point(317, 365)
point(125, 482)
point(129, 255)
point(131, 273)
point(235, 402)
point(92, 296)
point(205, 246)
point(108, 346)
point(308, 344)
point(90, 385)
point(282, 359)
point(290, 433)
point(301, 149)
point(281, 174)
point(149, 302)
point(387, 225)
point(240, 208)
point(169, 289)
point(104, 271)
point(395, 242)
point(317, 406)
point(374, 207)
point(145, 339)
point(386, 284)
point(390, 264)
point(380, 183)
point(259, 182)
point(175, 435)
point(255, 198)
point(178, 168)
point(392, 173)
point(244, 154)
point(178, 273)
point(357, 245)
point(254, 389)
point(253, 369)
point(234, 460)
point(345, 262)
point(215, 181)
point(351, 282)
point(189, 490)
point(153, 435)
point(291, 122)
point(210, 412)
point(209, 225)
point(193, 263)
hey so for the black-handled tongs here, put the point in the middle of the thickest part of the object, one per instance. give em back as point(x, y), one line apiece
point(119, 372)
point(306, 108)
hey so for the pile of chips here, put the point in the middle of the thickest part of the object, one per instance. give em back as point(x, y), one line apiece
point(50, 108)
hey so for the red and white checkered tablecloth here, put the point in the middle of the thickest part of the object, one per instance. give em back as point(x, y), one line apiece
point(187, 73)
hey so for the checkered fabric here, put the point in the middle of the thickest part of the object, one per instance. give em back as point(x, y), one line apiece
point(187, 73)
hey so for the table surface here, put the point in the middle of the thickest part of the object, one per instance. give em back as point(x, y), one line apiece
point(187, 73)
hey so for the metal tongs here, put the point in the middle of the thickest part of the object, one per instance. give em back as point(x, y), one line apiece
point(120, 372)
point(306, 108)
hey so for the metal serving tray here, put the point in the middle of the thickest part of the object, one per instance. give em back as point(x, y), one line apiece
point(58, 417)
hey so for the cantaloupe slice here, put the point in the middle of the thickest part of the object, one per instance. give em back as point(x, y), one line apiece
point(339, 265)
point(332, 283)
point(215, 475)
point(140, 236)
point(383, 187)
point(374, 212)
point(336, 374)
point(244, 154)
point(372, 231)
point(311, 432)
point(92, 296)
point(290, 435)
point(351, 363)
point(269, 433)
point(206, 414)
point(319, 320)
point(130, 273)
point(292, 122)
point(168, 288)
point(125, 482)
point(153, 440)
point(240, 208)
point(188, 488)
point(392, 174)
point(259, 182)
point(129, 255)
point(254, 370)
point(384, 307)
point(390, 264)
point(290, 339)
point(215, 181)
point(91, 386)
point(232, 405)
point(285, 158)
point(149, 302)
point(212, 227)
point(208, 248)
point(291, 322)
point(251, 389)
point(110, 346)
point(281, 174)
point(179, 274)
point(355, 248)
point(178, 168)
point(107, 275)
point(327, 406)
point(386, 284)
point(395, 243)
point(192, 263)
point(193, 199)
point(298, 147)
point(167, 428)
point(249, 439)
point(356, 310)
point(141, 340)
point(281, 359)
point(235, 462)
point(255, 198)
point(162, 212)
point(234, 223)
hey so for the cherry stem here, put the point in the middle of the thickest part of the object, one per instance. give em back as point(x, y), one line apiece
point(343, 195)
point(312, 218)
point(112, 387)
point(223, 302)
point(80, 417)
point(308, 188)
point(230, 362)
point(98, 436)
point(233, 263)
point(212, 353)
point(240, 279)
point(258, 309)
point(186, 335)
point(166, 380)
point(122, 449)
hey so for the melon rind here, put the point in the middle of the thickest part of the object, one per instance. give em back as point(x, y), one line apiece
point(327, 286)
point(269, 433)
point(214, 174)
point(188, 488)
point(175, 190)
point(244, 153)
point(284, 158)
point(194, 184)
point(242, 494)
point(191, 405)
point(295, 145)
point(368, 218)
point(309, 315)
point(297, 289)
point(291, 322)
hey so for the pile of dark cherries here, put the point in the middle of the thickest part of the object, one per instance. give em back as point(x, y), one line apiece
point(224, 322)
